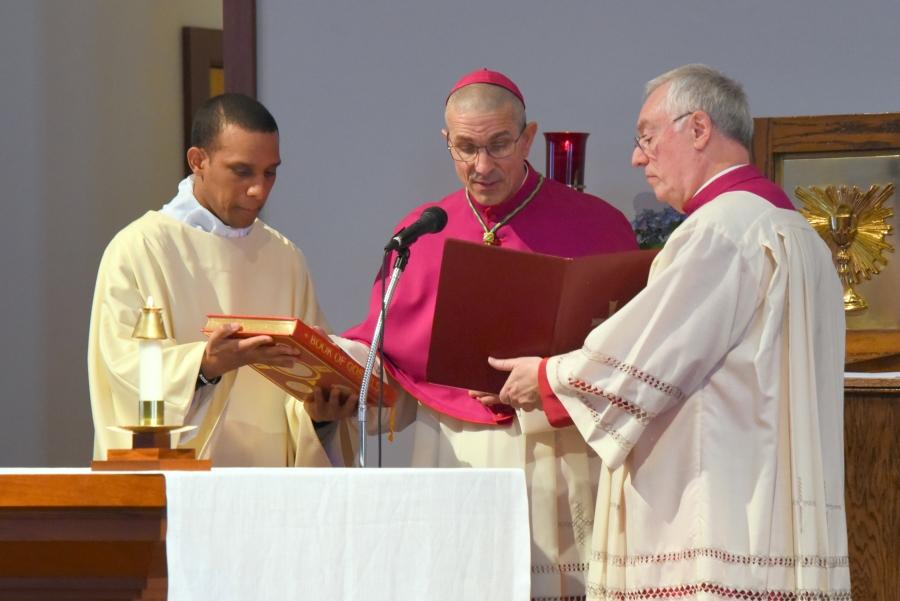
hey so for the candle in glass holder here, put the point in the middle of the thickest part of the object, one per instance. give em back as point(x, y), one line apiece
point(565, 157)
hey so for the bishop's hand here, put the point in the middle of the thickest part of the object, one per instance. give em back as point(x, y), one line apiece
point(223, 354)
point(521, 390)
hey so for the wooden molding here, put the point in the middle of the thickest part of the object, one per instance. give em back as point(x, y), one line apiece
point(873, 342)
point(239, 26)
point(83, 536)
point(871, 386)
point(201, 49)
point(89, 490)
point(232, 48)
point(776, 136)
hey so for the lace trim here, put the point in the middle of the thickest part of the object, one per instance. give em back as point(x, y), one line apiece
point(596, 591)
point(634, 372)
point(803, 561)
point(623, 442)
point(641, 416)
point(558, 568)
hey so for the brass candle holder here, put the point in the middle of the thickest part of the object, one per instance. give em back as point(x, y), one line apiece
point(151, 438)
point(150, 327)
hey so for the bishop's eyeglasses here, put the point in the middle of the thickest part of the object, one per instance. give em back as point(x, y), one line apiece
point(468, 153)
point(643, 142)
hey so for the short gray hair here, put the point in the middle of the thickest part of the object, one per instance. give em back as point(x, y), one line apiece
point(700, 88)
point(486, 98)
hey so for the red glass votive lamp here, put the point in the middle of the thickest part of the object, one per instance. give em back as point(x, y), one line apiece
point(565, 157)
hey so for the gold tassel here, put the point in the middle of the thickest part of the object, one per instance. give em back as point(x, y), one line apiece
point(391, 435)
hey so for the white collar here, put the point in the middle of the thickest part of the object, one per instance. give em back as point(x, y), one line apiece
point(524, 179)
point(718, 175)
point(186, 209)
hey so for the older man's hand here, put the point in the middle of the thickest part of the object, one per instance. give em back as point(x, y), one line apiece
point(521, 390)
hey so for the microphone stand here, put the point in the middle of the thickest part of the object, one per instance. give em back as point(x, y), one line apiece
point(399, 266)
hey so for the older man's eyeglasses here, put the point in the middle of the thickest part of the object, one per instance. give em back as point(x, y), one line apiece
point(468, 153)
point(644, 142)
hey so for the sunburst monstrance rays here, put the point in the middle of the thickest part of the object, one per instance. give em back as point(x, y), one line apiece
point(852, 223)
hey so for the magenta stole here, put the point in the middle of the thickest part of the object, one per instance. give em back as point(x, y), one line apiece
point(743, 179)
point(558, 221)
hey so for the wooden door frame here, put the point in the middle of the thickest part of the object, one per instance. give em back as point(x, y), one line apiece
point(774, 137)
point(233, 48)
point(201, 50)
point(239, 46)
point(777, 138)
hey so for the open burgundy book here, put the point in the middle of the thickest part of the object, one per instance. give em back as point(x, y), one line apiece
point(496, 302)
point(320, 363)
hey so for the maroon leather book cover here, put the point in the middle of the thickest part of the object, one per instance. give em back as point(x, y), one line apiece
point(497, 302)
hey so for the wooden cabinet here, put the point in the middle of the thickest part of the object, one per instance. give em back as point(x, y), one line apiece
point(82, 536)
point(872, 459)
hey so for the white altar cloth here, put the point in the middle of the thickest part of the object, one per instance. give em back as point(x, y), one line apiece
point(253, 534)
point(366, 534)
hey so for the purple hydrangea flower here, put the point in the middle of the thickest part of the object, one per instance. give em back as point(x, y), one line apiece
point(653, 228)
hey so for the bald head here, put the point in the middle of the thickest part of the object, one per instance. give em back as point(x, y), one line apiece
point(485, 98)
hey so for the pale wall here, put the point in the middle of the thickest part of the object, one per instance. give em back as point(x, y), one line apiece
point(90, 139)
point(90, 133)
point(358, 89)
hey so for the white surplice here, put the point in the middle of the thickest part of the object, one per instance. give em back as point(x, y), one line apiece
point(715, 401)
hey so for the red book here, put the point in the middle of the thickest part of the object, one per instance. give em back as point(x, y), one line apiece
point(497, 302)
point(320, 362)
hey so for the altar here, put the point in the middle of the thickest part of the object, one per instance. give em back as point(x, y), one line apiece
point(264, 534)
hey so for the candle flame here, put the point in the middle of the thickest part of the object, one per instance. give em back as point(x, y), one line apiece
point(149, 302)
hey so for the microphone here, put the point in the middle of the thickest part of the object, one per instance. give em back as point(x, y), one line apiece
point(431, 221)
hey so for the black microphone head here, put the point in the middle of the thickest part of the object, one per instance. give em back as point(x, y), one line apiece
point(430, 221)
point(439, 215)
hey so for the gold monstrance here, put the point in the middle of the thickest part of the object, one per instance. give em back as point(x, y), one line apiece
point(852, 224)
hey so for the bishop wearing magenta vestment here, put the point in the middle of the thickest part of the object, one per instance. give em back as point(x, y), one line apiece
point(505, 201)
